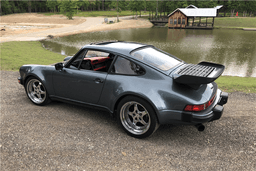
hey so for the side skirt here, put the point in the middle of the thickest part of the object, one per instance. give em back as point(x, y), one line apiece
point(74, 102)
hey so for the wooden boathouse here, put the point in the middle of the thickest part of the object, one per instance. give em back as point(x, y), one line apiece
point(192, 17)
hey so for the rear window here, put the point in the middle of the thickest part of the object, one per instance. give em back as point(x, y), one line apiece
point(155, 58)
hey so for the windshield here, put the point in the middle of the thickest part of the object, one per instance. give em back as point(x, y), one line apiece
point(156, 58)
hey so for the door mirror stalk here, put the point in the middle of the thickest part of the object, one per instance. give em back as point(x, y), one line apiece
point(59, 66)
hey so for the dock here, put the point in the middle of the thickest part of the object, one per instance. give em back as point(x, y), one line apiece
point(159, 22)
point(249, 29)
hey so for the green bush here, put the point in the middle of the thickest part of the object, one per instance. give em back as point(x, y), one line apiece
point(68, 9)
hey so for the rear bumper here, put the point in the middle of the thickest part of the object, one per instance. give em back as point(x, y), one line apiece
point(215, 114)
point(224, 98)
point(212, 113)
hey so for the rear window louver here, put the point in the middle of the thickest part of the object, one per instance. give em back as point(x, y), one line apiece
point(196, 70)
point(195, 75)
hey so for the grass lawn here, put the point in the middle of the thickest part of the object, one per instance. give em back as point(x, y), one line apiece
point(240, 14)
point(231, 84)
point(232, 22)
point(16, 54)
point(102, 13)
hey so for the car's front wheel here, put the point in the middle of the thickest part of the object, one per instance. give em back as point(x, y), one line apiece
point(36, 91)
point(137, 117)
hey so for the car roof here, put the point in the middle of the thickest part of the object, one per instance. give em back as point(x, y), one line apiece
point(121, 47)
point(116, 46)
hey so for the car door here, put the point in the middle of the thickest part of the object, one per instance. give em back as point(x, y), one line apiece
point(79, 85)
point(71, 83)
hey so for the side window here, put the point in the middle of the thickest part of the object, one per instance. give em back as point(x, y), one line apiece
point(97, 61)
point(76, 63)
point(93, 53)
point(126, 67)
point(175, 21)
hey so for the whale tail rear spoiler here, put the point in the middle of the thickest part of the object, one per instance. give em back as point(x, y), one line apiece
point(196, 75)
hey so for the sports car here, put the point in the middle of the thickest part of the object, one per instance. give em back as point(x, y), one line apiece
point(140, 85)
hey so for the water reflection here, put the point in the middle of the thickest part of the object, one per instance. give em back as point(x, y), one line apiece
point(236, 49)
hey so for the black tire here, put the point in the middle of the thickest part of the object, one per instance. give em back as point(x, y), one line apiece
point(137, 117)
point(36, 91)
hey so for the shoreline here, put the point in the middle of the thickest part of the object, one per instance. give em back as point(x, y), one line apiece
point(92, 24)
point(236, 28)
point(107, 27)
point(36, 27)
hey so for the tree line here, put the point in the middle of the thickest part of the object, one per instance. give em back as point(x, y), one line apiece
point(156, 7)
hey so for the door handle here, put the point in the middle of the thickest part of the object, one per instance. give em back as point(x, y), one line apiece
point(97, 80)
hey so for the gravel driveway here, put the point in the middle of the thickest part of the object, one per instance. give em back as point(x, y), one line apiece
point(61, 136)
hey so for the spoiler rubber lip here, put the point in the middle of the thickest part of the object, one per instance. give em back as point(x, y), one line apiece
point(195, 81)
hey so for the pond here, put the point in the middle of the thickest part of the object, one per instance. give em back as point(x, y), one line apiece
point(236, 49)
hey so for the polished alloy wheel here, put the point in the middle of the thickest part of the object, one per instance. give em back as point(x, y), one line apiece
point(135, 118)
point(36, 91)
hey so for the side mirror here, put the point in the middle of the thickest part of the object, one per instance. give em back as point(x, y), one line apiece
point(59, 66)
point(68, 58)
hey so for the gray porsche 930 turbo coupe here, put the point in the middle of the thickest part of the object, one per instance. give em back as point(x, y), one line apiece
point(139, 84)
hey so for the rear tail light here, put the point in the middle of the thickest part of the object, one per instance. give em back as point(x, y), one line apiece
point(197, 108)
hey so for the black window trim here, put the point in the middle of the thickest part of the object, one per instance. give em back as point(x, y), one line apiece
point(67, 66)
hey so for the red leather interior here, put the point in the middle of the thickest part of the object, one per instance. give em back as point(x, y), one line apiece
point(98, 62)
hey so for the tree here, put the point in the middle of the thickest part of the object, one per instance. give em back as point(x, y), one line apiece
point(98, 4)
point(29, 6)
point(67, 8)
point(83, 4)
point(136, 6)
point(5, 8)
point(171, 6)
point(225, 6)
point(233, 6)
point(119, 5)
point(78, 5)
point(150, 7)
point(52, 4)
point(162, 7)
point(118, 9)
point(92, 4)
point(247, 7)
point(103, 1)
point(251, 7)
point(109, 4)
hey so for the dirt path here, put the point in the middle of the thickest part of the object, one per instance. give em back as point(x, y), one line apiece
point(26, 23)
point(31, 27)
point(61, 136)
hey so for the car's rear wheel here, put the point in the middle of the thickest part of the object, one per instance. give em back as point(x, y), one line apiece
point(137, 117)
point(36, 91)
